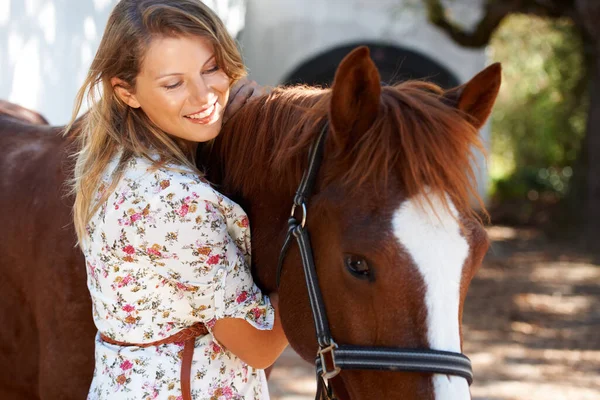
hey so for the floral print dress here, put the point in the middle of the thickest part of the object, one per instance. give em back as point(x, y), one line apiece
point(164, 252)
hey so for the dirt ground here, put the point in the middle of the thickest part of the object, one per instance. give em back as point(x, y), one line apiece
point(531, 325)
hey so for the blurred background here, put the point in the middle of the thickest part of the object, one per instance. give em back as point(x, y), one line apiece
point(532, 318)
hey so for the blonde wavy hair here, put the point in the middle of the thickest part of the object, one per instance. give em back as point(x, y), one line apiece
point(110, 125)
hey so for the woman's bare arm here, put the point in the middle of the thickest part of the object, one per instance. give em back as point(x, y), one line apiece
point(257, 348)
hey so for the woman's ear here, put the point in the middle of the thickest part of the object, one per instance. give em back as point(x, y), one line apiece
point(122, 90)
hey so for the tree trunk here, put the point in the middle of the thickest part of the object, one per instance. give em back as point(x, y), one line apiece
point(592, 217)
point(587, 16)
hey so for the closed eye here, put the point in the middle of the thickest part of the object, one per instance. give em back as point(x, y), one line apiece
point(212, 70)
point(174, 86)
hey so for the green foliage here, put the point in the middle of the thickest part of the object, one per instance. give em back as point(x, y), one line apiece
point(539, 119)
point(533, 182)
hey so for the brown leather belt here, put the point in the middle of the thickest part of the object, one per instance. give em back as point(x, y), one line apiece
point(188, 337)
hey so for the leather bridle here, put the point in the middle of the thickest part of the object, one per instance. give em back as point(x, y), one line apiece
point(331, 357)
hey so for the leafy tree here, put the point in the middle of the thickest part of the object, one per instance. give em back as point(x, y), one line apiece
point(540, 114)
point(585, 17)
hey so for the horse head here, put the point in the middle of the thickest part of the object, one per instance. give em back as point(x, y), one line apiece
point(394, 237)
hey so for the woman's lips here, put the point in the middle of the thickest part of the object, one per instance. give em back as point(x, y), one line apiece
point(203, 112)
point(203, 117)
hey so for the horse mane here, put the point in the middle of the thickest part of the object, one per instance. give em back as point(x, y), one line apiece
point(417, 136)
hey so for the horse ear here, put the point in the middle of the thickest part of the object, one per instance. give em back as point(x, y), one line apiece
point(355, 96)
point(477, 97)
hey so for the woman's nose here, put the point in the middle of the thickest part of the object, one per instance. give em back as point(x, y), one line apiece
point(200, 93)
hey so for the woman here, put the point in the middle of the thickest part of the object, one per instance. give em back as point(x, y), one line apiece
point(167, 256)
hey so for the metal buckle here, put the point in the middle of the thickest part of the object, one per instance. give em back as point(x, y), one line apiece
point(293, 213)
point(329, 349)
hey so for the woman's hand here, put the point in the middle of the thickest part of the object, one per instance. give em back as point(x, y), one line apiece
point(240, 93)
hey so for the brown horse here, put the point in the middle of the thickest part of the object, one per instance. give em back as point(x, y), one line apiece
point(46, 334)
point(394, 239)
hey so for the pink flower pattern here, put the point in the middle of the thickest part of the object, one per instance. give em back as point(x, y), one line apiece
point(128, 308)
point(125, 365)
point(159, 258)
point(129, 249)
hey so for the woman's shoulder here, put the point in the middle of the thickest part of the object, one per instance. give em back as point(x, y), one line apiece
point(170, 179)
point(168, 190)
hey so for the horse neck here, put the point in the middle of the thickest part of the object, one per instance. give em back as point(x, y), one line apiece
point(264, 148)
point(258, 161)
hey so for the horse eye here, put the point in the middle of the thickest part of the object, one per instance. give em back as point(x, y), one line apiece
point(358, 266)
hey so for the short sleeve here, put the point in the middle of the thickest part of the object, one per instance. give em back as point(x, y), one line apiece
point(186, 239)
point(235, 293)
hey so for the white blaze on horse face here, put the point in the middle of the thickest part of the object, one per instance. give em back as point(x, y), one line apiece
point(439, 252)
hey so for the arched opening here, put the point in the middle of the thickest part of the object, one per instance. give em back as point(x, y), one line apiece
point(395, 64)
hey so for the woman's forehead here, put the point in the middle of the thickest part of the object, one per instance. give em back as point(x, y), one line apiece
point(176, 55)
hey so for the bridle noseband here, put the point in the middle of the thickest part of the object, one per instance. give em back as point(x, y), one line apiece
point(331, 357)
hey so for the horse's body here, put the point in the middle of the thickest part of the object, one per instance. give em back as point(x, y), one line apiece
point(46, 331)
point(374, 203)
point(21, 113)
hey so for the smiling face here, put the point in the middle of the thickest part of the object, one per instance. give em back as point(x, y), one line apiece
point(181, 88)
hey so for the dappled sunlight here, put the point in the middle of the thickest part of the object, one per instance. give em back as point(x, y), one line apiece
point(566, 272)
point(502, 233)
point(553, 304)
point(525, 390)
point(101, 5)
point(292, 378)
point(47, 22)
point(4, 12)
point(26, 84)
point(50, 45)
point(532, 319)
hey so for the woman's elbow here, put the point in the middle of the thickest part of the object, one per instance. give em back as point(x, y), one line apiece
point(257, 348)
point(266, 351)
point(265, 359)
point(261, 364)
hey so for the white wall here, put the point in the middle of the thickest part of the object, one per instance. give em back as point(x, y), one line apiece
point(46, 47)
point(281, 34)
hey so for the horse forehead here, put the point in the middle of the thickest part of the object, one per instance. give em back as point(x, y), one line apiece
point(431, 236)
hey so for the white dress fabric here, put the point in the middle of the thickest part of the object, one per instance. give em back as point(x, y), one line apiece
point(164, 252)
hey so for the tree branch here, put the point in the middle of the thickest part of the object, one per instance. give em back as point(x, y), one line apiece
point(495, 11)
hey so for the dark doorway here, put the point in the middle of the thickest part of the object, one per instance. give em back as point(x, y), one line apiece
point(395, 64)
